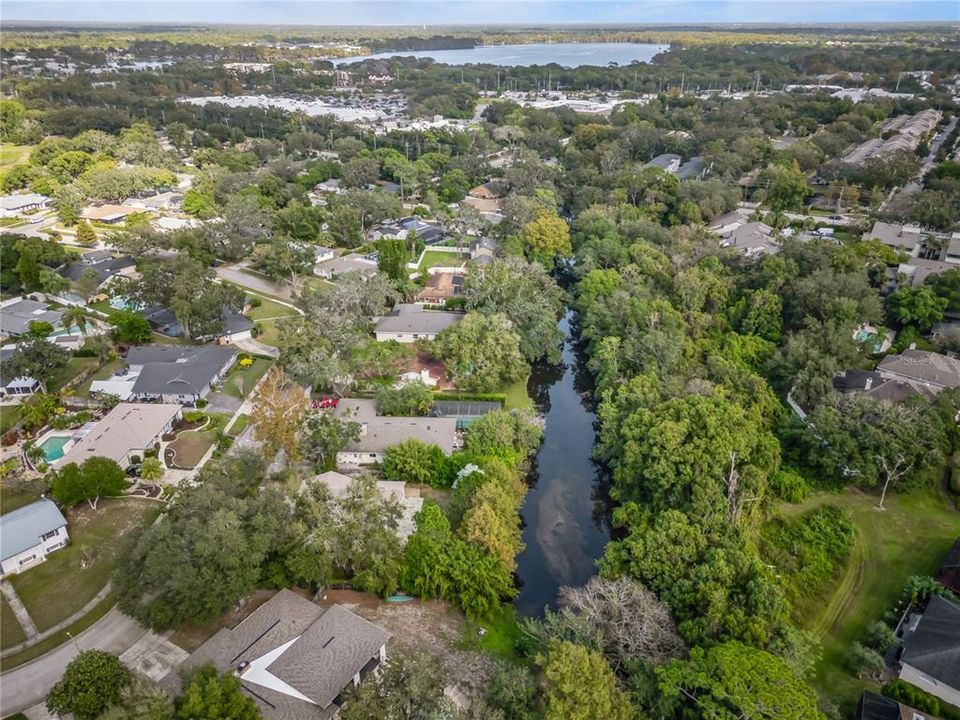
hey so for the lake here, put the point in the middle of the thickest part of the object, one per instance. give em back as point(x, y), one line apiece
point(565, 511)
point(565, 54)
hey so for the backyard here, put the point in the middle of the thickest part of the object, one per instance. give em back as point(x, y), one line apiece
point(16, 496)
point(74, 367)
point(269, 309)
point(71, 577)
point(101, 373)
point(9, 416)
point(909, 538)
point(433, 258)
point(13, 154)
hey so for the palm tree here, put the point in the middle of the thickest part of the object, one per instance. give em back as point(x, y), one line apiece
point(75, 316)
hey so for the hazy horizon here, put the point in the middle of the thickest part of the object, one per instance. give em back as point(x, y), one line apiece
point(320, 13)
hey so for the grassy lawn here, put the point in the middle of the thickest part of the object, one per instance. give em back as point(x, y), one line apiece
point(239, 425)
point(501, 633)
point(15, 497)
point(108, 369)
point(9, 415)
point(104, 306)
point(269, 335)
point(432, 258)
point(192, 445)
point(13, 154)
point(59, 587)
point(12, 633)
point(75, 366)
point(517, 396)
point(269, 309)
point(909, 538)
point(240, 381)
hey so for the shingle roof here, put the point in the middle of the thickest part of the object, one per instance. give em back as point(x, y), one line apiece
point(934, 647)
point(106, 268)
point(923, 367)
point(380, 432)
point(877, 707)
point(948, 574)
point(128, 427)
point(414, 319)
point(21, 529)
point(177, 369)
point(15, 202)
point(15, 317)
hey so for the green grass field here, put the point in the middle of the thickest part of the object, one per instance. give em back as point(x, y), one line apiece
point(75, 366)
point(909, 538)
point(239, 425)
point(517, 396)
point(71, 577)
point(501, 633)
point(101, 373)
point(10, 631)
point(432, 258)
point(9, 416)
point(240, 381)
point(16, 496)
point(269, 335)
point(190, 446)
point(270, 309)
point(11, 155)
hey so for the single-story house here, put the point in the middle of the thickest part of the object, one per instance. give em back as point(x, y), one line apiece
point(11, 205)
point(440, 287)
point(872, 383)
point(752, 239)
point(874, 706)
point(235, 325)
point(169, 373)
point(170, 200)
point(412, 503)
point(378, 432)
point(408, 323)
point(127, 430)
point(166, 223)
point(15, 386)
point(322, 254)
point(693, 169)
point(948, 574)
point(108, 213)
point(668, 162)
point(463, 411)
point(483, 250)
point(483, 205)
point(350, 263)
point(333, 186)
point(424, 370)
point(294, 658)
point(106, 269)
point(492, 190)
point(927, 370)
point(930, 656)
point(16, 314)
point(29, 533)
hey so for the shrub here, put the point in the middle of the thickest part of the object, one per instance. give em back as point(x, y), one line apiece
point(788, 485)
point(245, 362)
point(864, 660)
point(879, 636)
point(256, 302)
point(150, 453)
point(134, 459)
point(192, 416)
point(201, 404)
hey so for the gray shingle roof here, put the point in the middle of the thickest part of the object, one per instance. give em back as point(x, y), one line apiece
point(21, 529)
point(177, 369)
point(15, 318)
point(104, 269)
point(934, 647)
point(414, 319)
point(380, 432)
point(921, 366)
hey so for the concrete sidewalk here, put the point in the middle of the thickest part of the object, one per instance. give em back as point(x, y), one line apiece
point(23, 617)
point(100, 596)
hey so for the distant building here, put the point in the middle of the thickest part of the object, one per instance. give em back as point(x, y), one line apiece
point(930, 657)
point(15, 386)
point(409, 323)
point(108, 213)
point(351, 263)
point(29, 534)
point(493, 190)
point(11, 205)
point(294, 658)
point(105, 268)
point(751, 239)
point(693, 169)
point(483, 250)
point(668, 162)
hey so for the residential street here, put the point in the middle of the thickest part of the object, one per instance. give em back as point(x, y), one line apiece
point(29, 684)
point(234, 274)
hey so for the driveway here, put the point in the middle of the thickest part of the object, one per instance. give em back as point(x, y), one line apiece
point(255, 347)
point(218, 402)
point(29, 684)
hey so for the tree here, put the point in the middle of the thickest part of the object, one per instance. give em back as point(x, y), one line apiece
point(453, 186)
point(410, 399)
point(786, 187)
point(211, 696)
point(93, 681)
point(208, 551)
point(581, 685)
point(37, 410)
point(515, 430)
point(130, 327)
point(36, 358)
point(415, 461)
point(151, 470)
point(86, 235)
point(917, 306)
point(143, 700)
point(75, 317)
point(323, 435)
point(865, 661)
point(527, 295)
point(360, 172)
point(481, 353)
point(96, 477)
point(408, 687)
point(392, 259)
point(276, 416)
point(733, 680)
point(546, 238)
point(947, 285)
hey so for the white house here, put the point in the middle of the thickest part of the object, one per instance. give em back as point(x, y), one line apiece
point(29, 533)
point(12, 205)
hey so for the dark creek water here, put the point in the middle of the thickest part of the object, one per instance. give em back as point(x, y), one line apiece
point(565, 512)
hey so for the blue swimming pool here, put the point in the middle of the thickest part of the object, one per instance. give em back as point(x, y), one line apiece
point(53, 447)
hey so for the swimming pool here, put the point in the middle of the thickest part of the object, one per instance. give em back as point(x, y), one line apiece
point(53, 447)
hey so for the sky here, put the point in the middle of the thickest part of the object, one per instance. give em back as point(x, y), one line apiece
point(435, 12)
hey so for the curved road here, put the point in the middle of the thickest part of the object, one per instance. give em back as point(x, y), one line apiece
point(29, 684)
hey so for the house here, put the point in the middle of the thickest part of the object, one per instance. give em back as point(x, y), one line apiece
point(128, 430)
point(440, 287)
point(493, 190)
point(235, 327)
point(484, 206)
point(693, 169)
point(948, 574)
point(877, 707)
point(752, 239)
point(16, 315)
point(15, 386)
point(108, 213)
point(11, 205)
point(167, 223)
point(294, 658)
point(922, 369)
point(168, 373)
point(169, 200)
point(930, 656)
point(408, 323)
point(928, 249)
point(321, 254)
point(380, 432)
point(333, 186)
point(424, 370)
point(668, 162)
point(29, 534)
point(483, 250)
point(105, 268)
point(411, 503)
point(350, 263)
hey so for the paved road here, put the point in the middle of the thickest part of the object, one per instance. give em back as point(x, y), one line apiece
point(29, 684)
point(930, 160)
point(232, 273)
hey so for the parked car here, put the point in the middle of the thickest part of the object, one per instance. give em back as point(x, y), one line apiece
point(327, 402)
